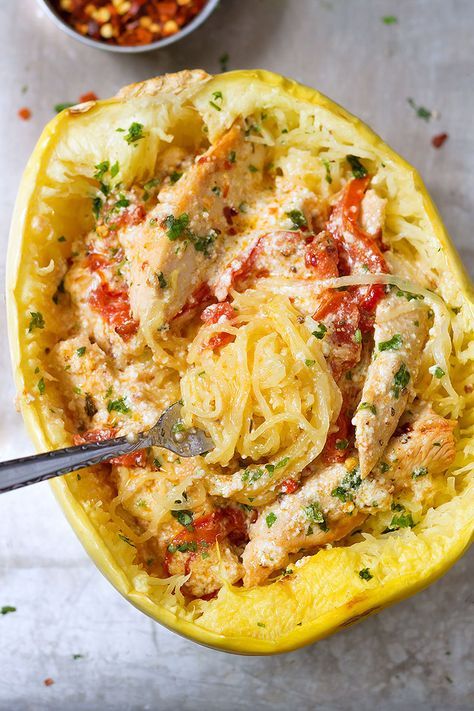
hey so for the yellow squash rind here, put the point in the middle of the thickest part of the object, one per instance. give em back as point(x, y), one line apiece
point(293, 597)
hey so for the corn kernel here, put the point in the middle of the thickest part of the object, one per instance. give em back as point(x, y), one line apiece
point(170, 27)
point(102, 15)
point(107, 31)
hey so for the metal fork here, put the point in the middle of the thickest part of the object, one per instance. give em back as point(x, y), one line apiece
point(29, 470)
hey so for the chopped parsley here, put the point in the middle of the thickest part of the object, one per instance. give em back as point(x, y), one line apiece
point(177, 427)
point(408, 295)
point(223, 61)
point(297, 218)
point(393, 344)
point(6, 609)
point(261, 624)
point(41, 386)
point(367, 406)
point(96, 206)
point(162, 283)
point(61, 107)
point(184, 517)
point(282, 463)
point(216, 190)
point(421, 111)
point(327, 166)
point(358, 170)
point(365, 574)
point(115, 169)
point(253, 169)
point(384, 467)
point(77, 656)
point(252, 476)
point(270, 519)
point(342, 443)
point(309, 362)
point(175, 176)
point(350, 482)
point(80, 351)
point(118, 406)
point(419, 471)
point(176, 226)
point(315, 514)
point(36, 321)
point(401, 380)
point(358, 336)
point(437, 371)
point(217, 100)
point(232, 157)
point(122, 202)
point(389, 20)
point(186, 547)
point(321, 330)
point(134, 133)
point(404, 520)
point(62, 238)
point(101, 169)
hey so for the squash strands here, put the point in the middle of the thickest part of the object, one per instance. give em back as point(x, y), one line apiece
point(323, 592)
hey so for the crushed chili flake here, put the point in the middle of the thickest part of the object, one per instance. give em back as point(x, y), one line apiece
point(48, 682)
point(438, 140)
point(88, 96)
point(128, 22)
point(24, 113)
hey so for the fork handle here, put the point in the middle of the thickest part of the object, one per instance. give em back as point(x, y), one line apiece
point(29, 470)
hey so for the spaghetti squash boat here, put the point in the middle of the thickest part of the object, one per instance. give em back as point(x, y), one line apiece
point(244, 245)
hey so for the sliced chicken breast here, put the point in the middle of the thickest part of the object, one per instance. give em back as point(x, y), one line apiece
point(174, 251)
point(401, 330)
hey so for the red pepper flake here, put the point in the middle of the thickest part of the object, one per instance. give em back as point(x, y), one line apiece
point(24, 113)
point(48, 682)
point(89, 96)
point(438, 140)
point(131, 23)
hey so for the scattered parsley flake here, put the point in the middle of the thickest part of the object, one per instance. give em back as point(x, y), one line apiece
point(261, 624)
point(6, 609)
point(134, 133)
point(96, 206)
point(101, 169)
point(309, 363)
point(36, 321)
point(327, 165)
point(270, 519)
point(421, 111)
point(184, 517)
point(365, 574)
point(389, 20)
point(321, 330)
point(404, 520)
point(418, 472)
point(80, 351)
point(61, 107)
point(297, 218)
point(224, 61)
point(175, 176)
point(350, 482)
point(367, 406)
point(253, 169)
point(115, 169)
point(161, 280)
point(358, 336)
point(232, 157)
point(41, 386)
point(358, 170)
point(176, 226)
point(315, 514)
point(62, 238)
point(401, 380)
point(118, 406)
point(437, 371)
point(393, 344)
point(217, 97)
point(408, 295)
point(342, 443)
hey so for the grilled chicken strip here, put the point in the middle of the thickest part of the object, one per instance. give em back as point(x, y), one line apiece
point(401, 330)
point(333, 502)
point(173, 252)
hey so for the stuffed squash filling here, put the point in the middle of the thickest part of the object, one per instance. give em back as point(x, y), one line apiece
point(249, 257)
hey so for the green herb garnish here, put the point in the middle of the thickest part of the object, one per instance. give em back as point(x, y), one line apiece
point(393, 344)
point(401, 380)
point(297, 218)
point(134, 133)
point(321, 330)
point(358, 170)
point(118, 406)
point(36, 321)
point(270, 519)
point(365, 574)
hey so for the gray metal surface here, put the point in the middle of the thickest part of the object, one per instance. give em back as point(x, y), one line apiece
point(416, 655)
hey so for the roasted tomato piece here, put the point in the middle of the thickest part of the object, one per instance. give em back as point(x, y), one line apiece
point(134, 459)
point(322, 256)
point(114, 307)
point(337, 442)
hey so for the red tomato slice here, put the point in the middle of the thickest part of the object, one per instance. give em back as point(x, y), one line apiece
point(114, 307)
